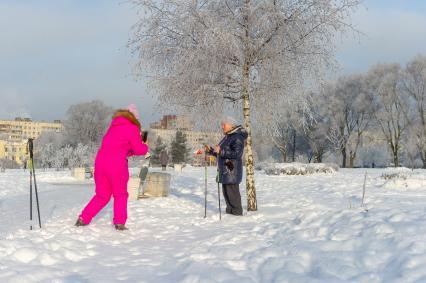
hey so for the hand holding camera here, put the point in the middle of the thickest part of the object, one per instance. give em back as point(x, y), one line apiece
point(144, 136)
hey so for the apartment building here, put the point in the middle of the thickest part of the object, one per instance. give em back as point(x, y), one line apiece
point(24, 128)
point(14, 135)
point(173, 122)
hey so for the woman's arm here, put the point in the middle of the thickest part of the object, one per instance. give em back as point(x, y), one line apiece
point(235, 151)
point(138, 147)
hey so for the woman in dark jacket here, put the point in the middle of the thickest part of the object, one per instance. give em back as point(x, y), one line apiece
point(164, 159)
point(229, 153)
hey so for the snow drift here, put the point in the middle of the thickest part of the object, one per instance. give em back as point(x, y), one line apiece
point(299, 168)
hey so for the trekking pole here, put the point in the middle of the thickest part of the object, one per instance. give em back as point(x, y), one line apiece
point(363, 192)
point(33, 175)
point(36, 194)
point(218, 190)
point(31, 194)
point(205, 184)
point(218, 197)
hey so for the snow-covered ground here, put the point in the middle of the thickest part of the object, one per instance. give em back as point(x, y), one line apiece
point(308, 229)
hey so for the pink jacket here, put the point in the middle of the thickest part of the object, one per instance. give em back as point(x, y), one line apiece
point(122, 140)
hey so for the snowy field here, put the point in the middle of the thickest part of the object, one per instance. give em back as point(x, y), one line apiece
point(308, 229)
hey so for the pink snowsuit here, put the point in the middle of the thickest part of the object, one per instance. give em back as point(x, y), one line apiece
point(111, 169)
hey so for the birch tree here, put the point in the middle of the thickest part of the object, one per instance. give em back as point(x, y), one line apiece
point(201, 55)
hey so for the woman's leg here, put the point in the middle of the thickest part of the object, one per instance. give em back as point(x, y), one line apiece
point(226, 197)
point(119, 191)
point(234, 197)
point(101, 198)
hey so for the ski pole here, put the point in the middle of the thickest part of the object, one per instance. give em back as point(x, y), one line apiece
point(31, 195)
point(218, 197)
point(36, 194)
point(33, 175)
point(205, 184)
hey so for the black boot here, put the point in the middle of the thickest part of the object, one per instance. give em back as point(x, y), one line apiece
point(79, 223)
point(120, 227)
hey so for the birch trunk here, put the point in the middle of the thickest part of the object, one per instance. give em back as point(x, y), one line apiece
point(250, 186)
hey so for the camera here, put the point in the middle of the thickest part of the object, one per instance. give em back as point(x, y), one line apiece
point(144, 136)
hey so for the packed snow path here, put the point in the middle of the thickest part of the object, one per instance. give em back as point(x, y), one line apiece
point(307, 229)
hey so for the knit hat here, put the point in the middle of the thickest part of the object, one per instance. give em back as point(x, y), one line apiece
point(230, 120)
point(134, 110)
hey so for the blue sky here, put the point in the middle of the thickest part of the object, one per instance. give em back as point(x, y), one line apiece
point(54, 53)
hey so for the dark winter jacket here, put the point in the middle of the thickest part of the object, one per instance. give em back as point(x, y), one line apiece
point(164, 158)
point(230, 163)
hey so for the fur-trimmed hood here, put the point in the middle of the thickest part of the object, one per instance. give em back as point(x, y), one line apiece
point(238, 130)
point(128, 115)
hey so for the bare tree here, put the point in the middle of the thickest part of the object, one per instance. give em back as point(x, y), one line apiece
point(316, 127)
point(414, 83)
point(205, 54)
point(349, 109)
point(392, 113)
point(86, 123)
point(281, 132)
point(263, 146)
point(411, 144)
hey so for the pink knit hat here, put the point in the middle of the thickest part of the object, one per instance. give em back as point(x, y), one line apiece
point(134, 110)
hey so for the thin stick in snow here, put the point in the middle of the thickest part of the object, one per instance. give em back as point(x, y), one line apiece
point(363, 190)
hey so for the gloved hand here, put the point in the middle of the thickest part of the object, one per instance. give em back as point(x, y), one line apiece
point(209, 149)
point(229, 164)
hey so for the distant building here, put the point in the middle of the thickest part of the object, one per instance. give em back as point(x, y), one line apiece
point(14, 135)
point(2, 149)
point(14, 150)
point(167, 127)
point(25, 128)
point(173, 122)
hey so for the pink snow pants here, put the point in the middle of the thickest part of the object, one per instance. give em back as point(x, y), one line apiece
point(110, 181)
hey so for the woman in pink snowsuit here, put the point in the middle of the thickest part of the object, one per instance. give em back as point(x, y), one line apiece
point(122, 140)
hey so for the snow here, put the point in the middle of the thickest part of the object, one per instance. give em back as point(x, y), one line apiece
point(404, 178)
point(308, 228)
point(297, 168)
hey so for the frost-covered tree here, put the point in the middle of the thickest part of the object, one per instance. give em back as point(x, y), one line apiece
point(86, 123)
point(262, 146)
point(156, 150)
point(201, 55)
point(55, 150)
point(45, 155)
point(282, 132)
point(350, 109)
point(51, 155)
point(57, 139)
point(316, 127)
point(287, 127)
point(179, 148)
point(414, 84)
point(80, 156)
point(393, 111)
point(411, 143)
point(46, 147)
